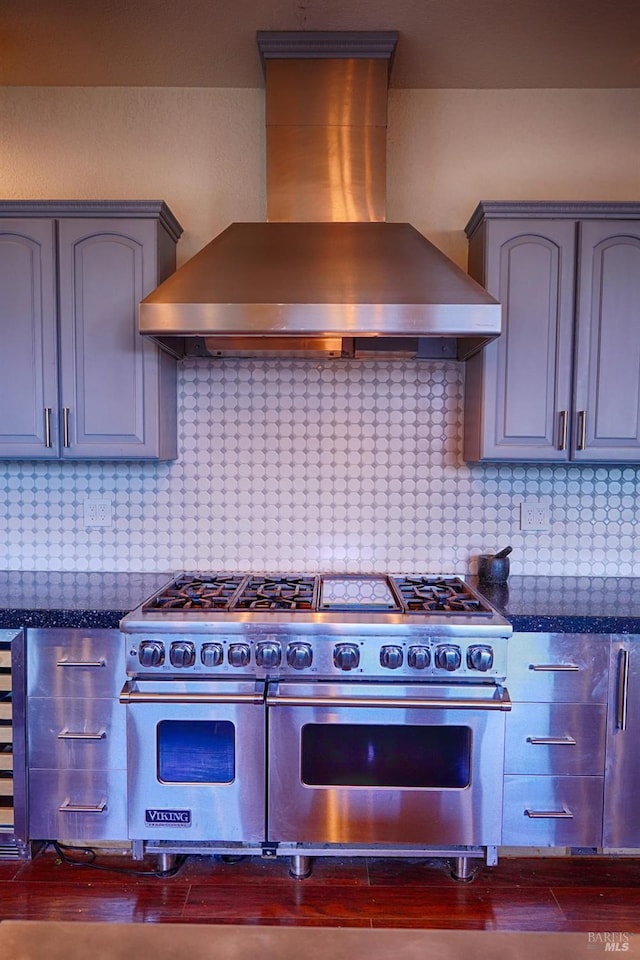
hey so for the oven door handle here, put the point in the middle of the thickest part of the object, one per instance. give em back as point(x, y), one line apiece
point(129, 695)
point(502, 702)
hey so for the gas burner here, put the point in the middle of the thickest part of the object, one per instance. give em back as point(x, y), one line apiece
point(439, 594)
point(197, 592)
point(277, 593)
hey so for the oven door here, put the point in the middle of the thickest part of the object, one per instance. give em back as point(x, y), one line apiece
point(386, 763)
point(196, 760)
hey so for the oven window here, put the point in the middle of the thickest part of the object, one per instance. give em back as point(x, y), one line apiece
point(196, 751)
point(380, 755)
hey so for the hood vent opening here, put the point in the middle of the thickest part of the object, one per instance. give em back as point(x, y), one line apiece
point(326, 275)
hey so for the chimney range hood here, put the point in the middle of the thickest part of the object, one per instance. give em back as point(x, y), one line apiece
point(326, 274)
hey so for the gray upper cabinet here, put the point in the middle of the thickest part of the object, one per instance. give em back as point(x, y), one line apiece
point(563, 381)
point(28, 356)
point(77, 381)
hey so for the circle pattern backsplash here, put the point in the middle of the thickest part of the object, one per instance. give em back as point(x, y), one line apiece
point(319, 466)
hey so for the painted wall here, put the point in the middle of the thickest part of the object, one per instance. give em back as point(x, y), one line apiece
point(300, 465)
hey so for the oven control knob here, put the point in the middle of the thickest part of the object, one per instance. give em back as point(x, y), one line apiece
point(211, 654)
point(448, 657)
point(480, 657)
point(239, 654)
point(299, 655)
point(391, 657)
point(346, 656)
point(268, 654)
point(151, 653)
point(182, 654)
point(419, 657)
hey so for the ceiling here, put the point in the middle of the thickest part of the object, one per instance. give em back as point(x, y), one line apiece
point(211, 43)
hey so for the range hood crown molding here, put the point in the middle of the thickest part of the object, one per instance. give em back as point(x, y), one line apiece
point(326, 266)
point(327, 45)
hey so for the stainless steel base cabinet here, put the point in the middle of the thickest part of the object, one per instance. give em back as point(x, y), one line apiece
point(76, 735)
point(555, 740)
point(622, 776)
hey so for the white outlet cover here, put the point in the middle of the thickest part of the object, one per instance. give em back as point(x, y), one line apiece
point(534, 515)
point(97, 513)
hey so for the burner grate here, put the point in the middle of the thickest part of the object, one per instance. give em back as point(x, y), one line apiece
point(277, 593)
point(438, 594)
point(201, 592)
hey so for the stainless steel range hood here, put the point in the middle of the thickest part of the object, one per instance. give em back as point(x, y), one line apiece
point(326, 273)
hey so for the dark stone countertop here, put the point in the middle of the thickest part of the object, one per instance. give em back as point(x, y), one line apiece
point(531, 603)
point(567, 604)
point(85, 600)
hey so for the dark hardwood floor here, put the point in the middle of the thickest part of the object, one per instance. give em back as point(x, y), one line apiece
point(535, 894)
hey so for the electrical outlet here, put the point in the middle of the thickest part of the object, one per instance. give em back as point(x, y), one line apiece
point(97, 513)
point(534, 515)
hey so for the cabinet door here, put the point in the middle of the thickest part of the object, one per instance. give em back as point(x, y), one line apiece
point(112, 380)
point(28, 356)
point(622, 776)
point(518, 389)
point(607, 400)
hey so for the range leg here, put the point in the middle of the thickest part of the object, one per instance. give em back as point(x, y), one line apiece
point(300, 867)
point(166, 862)
point(461, 869)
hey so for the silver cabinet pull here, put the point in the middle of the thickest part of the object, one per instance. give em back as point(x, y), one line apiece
point(77, 735)
point(69, 807)
point(554, 667)
point(623, 689)
point(65, 427)
point(582, 429)
point(553, 741)
point(563, 430)
point(563, 814)
point(47, 426)
point(82, 663)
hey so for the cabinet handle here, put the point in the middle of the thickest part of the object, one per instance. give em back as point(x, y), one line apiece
point(623, 689)
point(72, 735)
point(553, 741)
point(563, 814)
point(554, 667)
point(68, 807)
point(563, 430)
point(47, 426)
point(582, 429)
point(82, 663)
point(65, 427)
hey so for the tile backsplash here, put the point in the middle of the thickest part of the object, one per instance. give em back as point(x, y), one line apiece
point(299, 465)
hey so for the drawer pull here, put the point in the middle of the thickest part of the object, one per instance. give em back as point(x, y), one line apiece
point(563, 814)
point(554, 667)
point(68, 807)
point(77, 735)
point(82, 663)
point(553, 741)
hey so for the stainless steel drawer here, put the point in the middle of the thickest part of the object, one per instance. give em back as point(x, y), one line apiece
point(75, 663)
point(556, 739)
point(558, 667)
point(77, 805)
point(552, 811)
point(77, 733)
